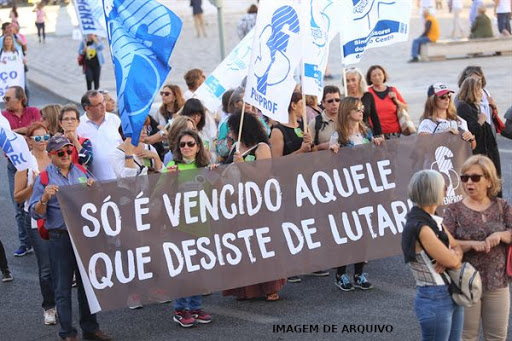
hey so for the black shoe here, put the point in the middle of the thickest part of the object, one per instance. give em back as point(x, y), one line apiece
point(294, 279)
point(361, 282)
point(414, 60)
point(6, 276)
point(98, 335)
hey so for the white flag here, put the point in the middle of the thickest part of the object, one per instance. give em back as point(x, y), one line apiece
point(15, 147)
point(91, 17)
point(372, 23)
point(12, 72)
point(321, 25)
point(228, 75)
point(276, 53)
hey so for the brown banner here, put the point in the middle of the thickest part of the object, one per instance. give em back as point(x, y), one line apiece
point(175, 235)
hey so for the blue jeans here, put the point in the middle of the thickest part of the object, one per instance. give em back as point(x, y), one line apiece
point(42, 251)
point(416, 44)
point(439, 317)
point(188, 303)
point(63, 264)
point(504, 22)
point(18, 208)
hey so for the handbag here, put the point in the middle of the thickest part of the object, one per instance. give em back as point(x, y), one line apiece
point(498, 123)
point(465, 285)
point(406, 125)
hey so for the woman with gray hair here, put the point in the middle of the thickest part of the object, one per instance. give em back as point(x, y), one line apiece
point(429, 249)
point(357, 87)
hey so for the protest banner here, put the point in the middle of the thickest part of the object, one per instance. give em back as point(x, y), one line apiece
point(12, 72)
point(276, 53)
point(15, 147)
point(175, 235)
point(370, 24)
point(228, 75)
point(142, 35)
point(321, 27)
point(91, 17)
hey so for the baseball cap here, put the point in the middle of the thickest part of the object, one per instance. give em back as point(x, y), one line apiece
point(57, 142)
point(438, 89)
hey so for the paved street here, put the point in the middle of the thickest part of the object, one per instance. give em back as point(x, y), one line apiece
point(315, 301)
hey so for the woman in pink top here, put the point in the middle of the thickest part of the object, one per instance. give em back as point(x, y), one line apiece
point(40, 16)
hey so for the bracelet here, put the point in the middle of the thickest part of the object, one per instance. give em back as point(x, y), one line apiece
point(128, 157)
point(43, 203)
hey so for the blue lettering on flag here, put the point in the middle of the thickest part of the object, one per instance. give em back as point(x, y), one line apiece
point(142, 36)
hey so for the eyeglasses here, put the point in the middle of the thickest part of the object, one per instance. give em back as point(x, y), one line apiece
point(69, 119)
point(190, 144)
point(359, 109)
point(445, 96)
point(39, 138)
point(473, 177)
point(165, 93)
point(332, 100)
point(102, 103)
point(61, 153)
point(6, 98)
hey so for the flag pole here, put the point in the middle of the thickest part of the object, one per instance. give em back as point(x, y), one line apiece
point(240, 127)
point(304, 114)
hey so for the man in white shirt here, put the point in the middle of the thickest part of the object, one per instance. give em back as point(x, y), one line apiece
point(502, 9)
point(102, 129)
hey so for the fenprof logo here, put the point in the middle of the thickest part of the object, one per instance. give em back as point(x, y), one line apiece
point(444, 165)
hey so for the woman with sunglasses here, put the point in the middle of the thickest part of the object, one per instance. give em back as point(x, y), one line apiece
point(351, 131)
point(69, 119)
point(38, 137)
point(388, 100)
point(482, 225)
point(440, 115)
point(179, 124)
point(470, 97)
point(172, 102)
point(128, 160)
point(357, 87)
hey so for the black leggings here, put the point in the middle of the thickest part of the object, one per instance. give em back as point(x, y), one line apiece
point(3, 259)
point(358, 269)
point(92, 74)
point(40, 27)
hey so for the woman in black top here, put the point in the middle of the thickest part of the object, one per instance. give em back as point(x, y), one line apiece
point(289, 138)
point(468, 107)
point(356, 87)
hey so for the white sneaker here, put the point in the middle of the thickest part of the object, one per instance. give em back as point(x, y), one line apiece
point(50, 316)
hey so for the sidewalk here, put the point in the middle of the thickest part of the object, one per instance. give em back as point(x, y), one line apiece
point(54, 65)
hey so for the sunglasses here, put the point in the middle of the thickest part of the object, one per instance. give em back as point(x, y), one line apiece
point(359, 109)
point(39, 138)
point(61, 153)
point(473, 177)
point(165, 93)
point(332, 100)
point(189, 144)
point(445, 96)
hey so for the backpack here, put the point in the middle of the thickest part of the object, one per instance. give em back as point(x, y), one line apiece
point(465, 286)
point(43, 176)
point(319, 125)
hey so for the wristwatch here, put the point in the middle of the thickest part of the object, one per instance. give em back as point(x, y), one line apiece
point(128, 157)
point(161, 132)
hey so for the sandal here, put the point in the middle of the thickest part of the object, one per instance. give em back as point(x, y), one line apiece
point(273, 297)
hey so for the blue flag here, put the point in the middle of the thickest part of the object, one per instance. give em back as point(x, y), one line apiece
point(142, 35)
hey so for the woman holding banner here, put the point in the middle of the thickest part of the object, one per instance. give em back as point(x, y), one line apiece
point(429, 249)
point(253, 146)
point(38, 137)
point(9, 53)
point(356, 87)
point(351, 131)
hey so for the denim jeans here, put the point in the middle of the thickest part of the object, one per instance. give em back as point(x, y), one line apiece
point(63, 264)
point(188, 303)
point(504, 22)
point(42, 251)
point(439, 317)
point(18, 208)
point(416, 44)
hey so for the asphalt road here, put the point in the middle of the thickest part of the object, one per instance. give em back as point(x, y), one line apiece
point(314, 303)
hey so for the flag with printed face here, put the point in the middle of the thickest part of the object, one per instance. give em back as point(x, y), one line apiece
point(142, 35)
point(321, 27)
point(91, 18)
point(228, 75)
point(15, 146)
point(276, 53)
point(372, 23)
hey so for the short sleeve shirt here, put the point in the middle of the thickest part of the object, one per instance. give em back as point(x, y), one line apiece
point(328, 127)
point(29, 116)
